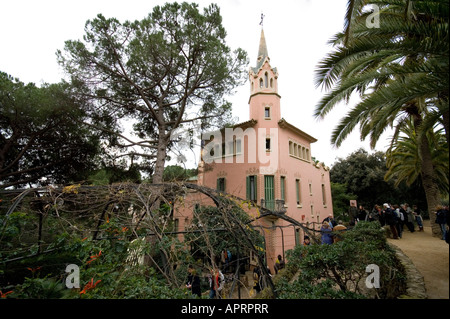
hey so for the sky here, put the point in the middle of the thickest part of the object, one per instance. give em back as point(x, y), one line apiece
point(296, 32)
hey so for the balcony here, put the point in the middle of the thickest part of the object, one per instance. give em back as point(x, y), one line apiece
point(276, 206)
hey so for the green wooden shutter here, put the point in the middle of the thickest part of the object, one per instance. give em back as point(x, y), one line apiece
point(251, 188)
point(255, 181)
point(221, 184)
point(269, 192)
point(247, 187)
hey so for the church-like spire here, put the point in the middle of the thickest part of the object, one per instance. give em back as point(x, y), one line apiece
point(264, 86)
point(262, 52)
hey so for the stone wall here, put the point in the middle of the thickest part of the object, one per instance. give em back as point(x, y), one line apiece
point(415, 285)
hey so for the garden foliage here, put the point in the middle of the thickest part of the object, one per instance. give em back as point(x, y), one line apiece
point(339, 270)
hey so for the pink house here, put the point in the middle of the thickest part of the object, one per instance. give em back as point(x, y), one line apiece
point(267, 160)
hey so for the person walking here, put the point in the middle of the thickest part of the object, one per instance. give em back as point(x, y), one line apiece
point(327, 236)
point(374, 214)
point(441, 219)
point(330, 220)
point(399, 218)
point(257, 279)
point(193, 282)
point(352, 213)
point(381, 216)
point(418, 217)
point(409, 218)
point(390, 219)
point(216, 281)
point(279, 264)
point(306, 241)
point(362, 214)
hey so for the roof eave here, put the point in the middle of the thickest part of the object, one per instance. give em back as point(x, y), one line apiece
point(284, 124)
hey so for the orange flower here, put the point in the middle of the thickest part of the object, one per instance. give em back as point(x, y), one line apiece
point(94, 257)
point(33, 270)
point(3, 295)
point(90, 285)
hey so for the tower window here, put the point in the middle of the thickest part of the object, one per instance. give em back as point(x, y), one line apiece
point(298, 192)
point(267, 112)
point(251, 188)
point(261, 83)
point(268, 144)
point(266, 79)
point(271, 83)
point(324, 196)
point(221, 184)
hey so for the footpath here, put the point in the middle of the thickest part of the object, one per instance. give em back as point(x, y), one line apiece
point(430, 255)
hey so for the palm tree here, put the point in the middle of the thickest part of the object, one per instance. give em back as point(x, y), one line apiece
point(403, 157)
point(400, 70)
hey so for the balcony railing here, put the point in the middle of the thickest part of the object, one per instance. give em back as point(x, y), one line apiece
point(276, 206)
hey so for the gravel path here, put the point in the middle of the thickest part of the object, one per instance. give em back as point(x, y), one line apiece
point(430, 255)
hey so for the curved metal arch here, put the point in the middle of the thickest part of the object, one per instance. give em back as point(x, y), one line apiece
point(216, 197)
point(212, 193)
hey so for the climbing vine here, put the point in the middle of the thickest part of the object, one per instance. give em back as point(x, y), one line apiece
point(122, 237)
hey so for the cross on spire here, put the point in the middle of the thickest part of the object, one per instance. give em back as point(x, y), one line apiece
point(262, 20)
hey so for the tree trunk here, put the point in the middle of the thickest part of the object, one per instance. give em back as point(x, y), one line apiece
point(430, 186)
point(158, 191)
point(163, 141)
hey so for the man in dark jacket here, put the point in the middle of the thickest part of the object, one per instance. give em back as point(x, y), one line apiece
point(352, 213)
point(193, 282)
point(390, 218)
point(441, 219)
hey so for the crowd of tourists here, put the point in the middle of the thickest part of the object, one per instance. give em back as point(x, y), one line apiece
point(396, 217)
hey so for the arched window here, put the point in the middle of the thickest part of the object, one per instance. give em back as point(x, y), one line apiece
point(266, 79)
point(261, 83)
point(271, 83)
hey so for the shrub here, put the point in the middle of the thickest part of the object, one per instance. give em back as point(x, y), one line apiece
point(339, 270)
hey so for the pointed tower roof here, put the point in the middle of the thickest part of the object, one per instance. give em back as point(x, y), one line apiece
point(262, 52)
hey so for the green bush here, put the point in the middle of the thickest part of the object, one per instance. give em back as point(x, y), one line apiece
point(42, 288)
point(339, 270)
point(105, 271)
